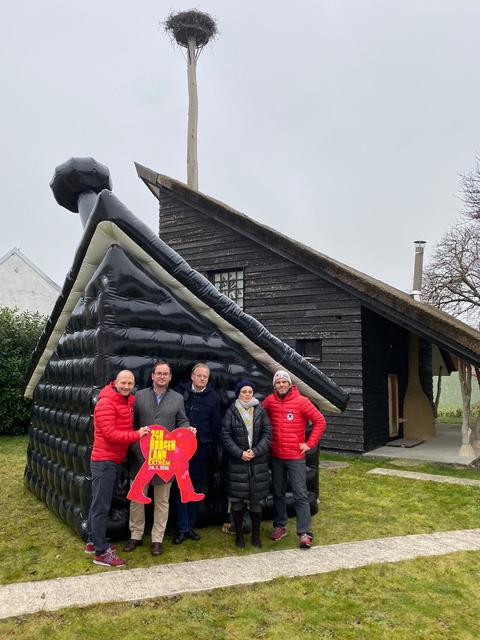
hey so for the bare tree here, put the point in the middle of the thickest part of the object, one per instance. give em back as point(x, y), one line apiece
point(452, 282)
point(452, 278)
point(470, 192)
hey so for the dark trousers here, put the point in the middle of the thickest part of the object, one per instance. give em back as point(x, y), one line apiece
point(104, 479)
point(186, 512)
point(296, 473)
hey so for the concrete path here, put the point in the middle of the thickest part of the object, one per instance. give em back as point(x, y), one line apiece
point(432, 477)
point(120, 585)
point(444, 447)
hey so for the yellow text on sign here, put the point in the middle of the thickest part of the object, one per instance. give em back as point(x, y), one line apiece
point(159, 447)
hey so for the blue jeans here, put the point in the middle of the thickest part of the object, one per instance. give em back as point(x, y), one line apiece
point(296, 473)
point(104, 480)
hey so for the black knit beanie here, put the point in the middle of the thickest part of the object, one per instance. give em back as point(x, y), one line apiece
point(244, 383)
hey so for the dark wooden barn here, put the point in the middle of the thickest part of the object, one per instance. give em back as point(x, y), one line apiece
point(357, 329)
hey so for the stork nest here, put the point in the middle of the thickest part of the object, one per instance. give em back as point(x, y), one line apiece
point(191, 24)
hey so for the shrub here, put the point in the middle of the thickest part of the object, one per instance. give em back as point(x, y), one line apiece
point(450, 412)
point(19, 332)
point(456, 412)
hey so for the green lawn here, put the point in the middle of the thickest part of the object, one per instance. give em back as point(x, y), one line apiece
point(425, 598)
point(354, 506)
point(451, 395)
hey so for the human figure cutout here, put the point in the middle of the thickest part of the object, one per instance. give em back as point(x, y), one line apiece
point(166, 454)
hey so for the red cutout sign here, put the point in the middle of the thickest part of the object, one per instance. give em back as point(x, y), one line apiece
point(166, 455)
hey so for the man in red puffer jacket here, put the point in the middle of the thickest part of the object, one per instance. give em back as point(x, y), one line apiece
point(289, 414)
point(113, 433)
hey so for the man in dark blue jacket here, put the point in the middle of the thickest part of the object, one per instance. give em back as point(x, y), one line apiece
point(202, 407)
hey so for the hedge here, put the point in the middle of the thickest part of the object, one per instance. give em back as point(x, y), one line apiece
point(19, 332)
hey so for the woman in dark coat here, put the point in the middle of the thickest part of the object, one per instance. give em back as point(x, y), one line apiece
point(246, 436)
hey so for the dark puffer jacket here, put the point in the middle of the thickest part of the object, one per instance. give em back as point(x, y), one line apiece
point(247, 480)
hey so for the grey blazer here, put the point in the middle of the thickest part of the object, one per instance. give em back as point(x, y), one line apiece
point(170, 413)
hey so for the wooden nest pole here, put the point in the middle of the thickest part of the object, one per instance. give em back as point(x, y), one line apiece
point(191, 30)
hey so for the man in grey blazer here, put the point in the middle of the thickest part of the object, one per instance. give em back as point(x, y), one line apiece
point(155, 405)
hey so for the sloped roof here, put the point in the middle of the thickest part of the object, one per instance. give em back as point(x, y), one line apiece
point(111, 223)
point(16, 252)
point(423, 319)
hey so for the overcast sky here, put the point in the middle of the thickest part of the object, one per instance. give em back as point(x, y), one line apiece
point(342, 123)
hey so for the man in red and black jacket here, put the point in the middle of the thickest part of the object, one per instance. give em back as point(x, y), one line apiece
point(113, 433)
point(289, 414)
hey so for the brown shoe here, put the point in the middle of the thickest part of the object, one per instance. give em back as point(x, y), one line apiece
point(132, 544)
point(157, 548)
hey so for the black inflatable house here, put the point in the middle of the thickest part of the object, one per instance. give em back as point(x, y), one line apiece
point(128, 300)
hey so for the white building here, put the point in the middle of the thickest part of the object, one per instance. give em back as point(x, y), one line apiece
point(24, 285)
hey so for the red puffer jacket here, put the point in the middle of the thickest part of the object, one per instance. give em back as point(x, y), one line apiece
point(289, 416)
point(113, 424)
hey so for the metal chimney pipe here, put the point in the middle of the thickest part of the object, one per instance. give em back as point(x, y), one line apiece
point(418, 269)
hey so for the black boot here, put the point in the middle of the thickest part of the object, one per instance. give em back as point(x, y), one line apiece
point(238, 520)
point(256, 520)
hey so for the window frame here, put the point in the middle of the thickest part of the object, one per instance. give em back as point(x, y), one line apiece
point(301, 343)
point(239, 277)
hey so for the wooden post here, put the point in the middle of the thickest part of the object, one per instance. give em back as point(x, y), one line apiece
point(192, 160)
point(476, 441)
point(439, 391)
point(192, 30)
point(465, 377)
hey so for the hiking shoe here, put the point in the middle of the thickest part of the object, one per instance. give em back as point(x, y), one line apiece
point(306, 541)
point(90, 547)
point(109, 559)
point(277, 533)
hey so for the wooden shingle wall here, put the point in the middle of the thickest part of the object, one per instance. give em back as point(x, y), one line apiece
point(289, 300)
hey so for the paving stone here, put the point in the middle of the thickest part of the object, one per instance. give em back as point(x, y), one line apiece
point(415, 475)
point(406, 462)
point(332, 464)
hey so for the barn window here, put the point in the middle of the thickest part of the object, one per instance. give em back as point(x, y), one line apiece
point(230, 283)
point(310, 349)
